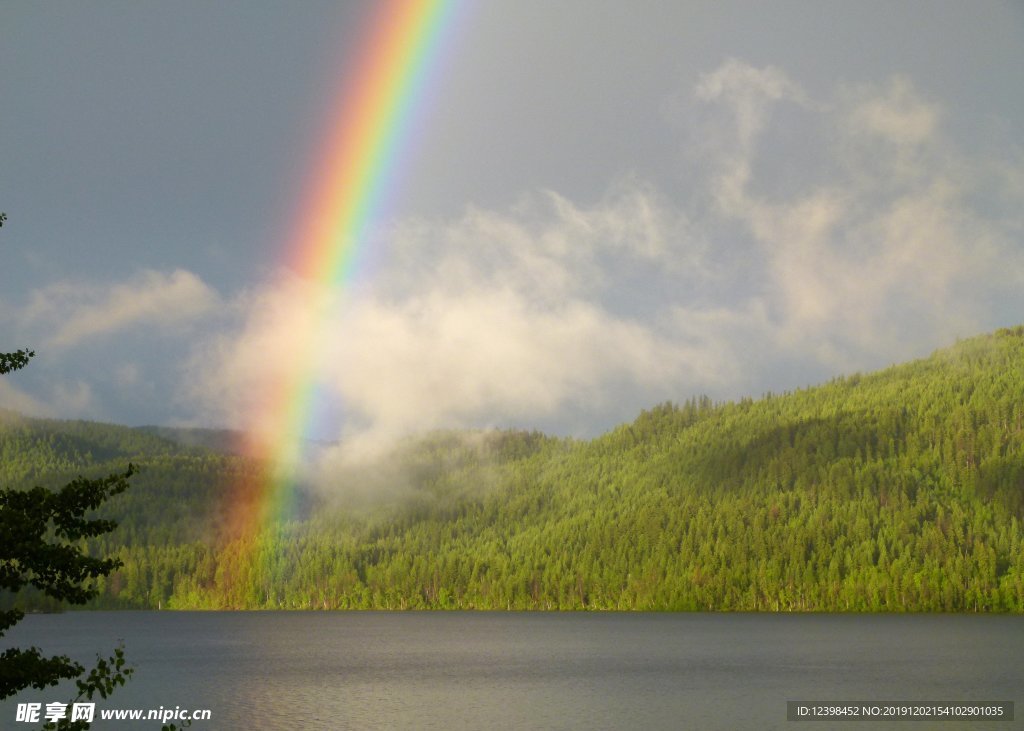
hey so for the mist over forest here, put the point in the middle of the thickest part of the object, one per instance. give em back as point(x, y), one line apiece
point(899, 490)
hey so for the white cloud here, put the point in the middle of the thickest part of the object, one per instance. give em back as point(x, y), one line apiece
point(73, 398)
point(491, 318)
point(881, 257)
point(62, 400)
point(818, 234)
point(15, 399)
point(552, 307)
point(894, 113)
point(453, 358)
point(750, 92)
point(545, 246)
point(73, 313)
point(143, 310)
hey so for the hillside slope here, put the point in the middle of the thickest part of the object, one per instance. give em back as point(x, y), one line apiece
point(901, 490)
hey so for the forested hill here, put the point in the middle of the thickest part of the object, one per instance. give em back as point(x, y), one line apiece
point(901, 490)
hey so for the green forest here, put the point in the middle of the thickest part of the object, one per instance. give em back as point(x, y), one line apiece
point(900, 490)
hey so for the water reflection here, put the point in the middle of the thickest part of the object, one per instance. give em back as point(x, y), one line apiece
point(368, 670)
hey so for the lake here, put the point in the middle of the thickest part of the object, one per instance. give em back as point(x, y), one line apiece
point(465, 670)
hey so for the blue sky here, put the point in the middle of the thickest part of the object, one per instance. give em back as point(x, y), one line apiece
point(604, 206)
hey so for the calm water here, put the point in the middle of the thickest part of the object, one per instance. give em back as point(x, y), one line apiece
point(372, 670)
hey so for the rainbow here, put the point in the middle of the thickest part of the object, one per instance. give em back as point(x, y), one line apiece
point(358, 164)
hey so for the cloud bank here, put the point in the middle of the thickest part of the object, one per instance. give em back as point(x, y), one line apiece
point(817, 236)
point(552, 308)
point(65, 320)
point(75, 312)
point(491, 319)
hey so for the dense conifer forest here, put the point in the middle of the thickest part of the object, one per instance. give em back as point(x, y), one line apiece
point(901, 490)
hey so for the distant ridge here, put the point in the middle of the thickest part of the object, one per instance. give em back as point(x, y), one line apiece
point(225, 441)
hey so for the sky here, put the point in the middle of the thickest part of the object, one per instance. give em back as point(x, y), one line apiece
point(601, 206)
